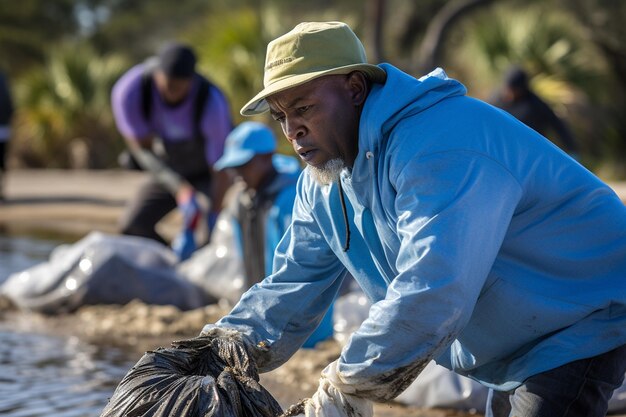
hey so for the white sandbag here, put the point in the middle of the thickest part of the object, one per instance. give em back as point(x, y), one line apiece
point(102, 269)
point(617, 403)
point(217, 268)
point(435, 386)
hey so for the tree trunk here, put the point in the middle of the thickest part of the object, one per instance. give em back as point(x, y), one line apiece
point(375, 12)
point(429, 55)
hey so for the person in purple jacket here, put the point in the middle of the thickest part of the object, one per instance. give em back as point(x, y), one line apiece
point(174, 123)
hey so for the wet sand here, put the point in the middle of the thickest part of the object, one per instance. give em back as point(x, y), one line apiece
point(73, 203)
point(140, 327)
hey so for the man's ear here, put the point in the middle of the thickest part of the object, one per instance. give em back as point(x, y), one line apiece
point(359, 87)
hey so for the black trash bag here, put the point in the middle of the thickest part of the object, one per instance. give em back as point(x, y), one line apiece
point(203, 377)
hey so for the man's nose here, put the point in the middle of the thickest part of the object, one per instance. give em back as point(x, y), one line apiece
point(293, 129)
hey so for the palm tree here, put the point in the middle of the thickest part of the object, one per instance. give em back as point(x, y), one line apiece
point(565, 70)
point(66, 105)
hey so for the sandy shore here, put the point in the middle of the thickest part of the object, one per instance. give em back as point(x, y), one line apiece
point(76, 202)
point(70, 203)
point(73, 203)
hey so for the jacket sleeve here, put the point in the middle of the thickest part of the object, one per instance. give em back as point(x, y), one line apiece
point(452, 209)
point(216, 124)
point(126, 105)
point(278, 314)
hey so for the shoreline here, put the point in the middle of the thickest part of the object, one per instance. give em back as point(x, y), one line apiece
point(72, 203)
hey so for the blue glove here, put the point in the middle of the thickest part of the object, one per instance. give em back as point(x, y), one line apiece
point(191, 212)
point(184, 243)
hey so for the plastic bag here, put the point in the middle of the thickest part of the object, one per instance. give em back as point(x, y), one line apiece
point(217, 268)
point(103, 269)
point(206, 376)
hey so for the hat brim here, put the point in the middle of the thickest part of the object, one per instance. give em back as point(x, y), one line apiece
point(233, 159)
point(259, 105)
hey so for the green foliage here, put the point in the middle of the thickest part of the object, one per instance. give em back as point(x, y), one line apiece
point(28, 27)
point(137, 28)
point(540, 40)
point(574, 50)
point(565, 68)
point(231, 48)
point(64, 107)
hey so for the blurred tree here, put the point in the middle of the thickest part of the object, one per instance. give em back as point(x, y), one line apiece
point(419, 30)
point(231, 36)
point(565, 68)
point(29, 28)
point(64, 117)
point(431, 48)
point(231, 43)
point(602, 21)
point(137, 28)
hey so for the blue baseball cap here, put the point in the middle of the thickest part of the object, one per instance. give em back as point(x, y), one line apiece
point(244, 142)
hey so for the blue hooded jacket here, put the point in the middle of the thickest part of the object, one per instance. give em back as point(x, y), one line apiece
point(480, 243)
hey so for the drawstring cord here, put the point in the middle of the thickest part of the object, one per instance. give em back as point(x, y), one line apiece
point(346, 246)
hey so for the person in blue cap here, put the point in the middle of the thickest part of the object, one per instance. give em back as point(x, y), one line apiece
point(265, 190)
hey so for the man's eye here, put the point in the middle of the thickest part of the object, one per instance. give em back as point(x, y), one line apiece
point(278, 117)
point(303, 109)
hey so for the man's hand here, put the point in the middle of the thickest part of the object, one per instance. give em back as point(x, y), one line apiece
point(330, 401)
point(228, 337)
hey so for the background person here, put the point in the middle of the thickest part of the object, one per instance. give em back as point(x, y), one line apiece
point(479, 243)
point(262, 205)
point(6, 115)
point(517, 98)
point(174, 122)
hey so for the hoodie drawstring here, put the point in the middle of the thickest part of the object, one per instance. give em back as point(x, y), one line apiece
point(346, 246)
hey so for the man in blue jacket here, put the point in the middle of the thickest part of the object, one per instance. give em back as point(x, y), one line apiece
point(480, 243)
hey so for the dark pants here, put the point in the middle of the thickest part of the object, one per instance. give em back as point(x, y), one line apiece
point(150, 205)
point(3, 155)
point(581, 388)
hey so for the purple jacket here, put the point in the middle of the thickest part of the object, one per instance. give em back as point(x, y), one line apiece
point(171, 123)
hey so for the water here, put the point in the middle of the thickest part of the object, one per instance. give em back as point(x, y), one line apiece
point(44, 375)
point(19, 253)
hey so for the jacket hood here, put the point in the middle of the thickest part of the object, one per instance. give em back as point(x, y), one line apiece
point(399, 97)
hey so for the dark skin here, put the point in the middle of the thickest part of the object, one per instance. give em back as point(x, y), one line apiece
point(255, 171)
point(321, 118)
point(173, 91)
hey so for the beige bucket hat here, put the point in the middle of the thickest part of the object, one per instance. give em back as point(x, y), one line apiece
point(308, 51)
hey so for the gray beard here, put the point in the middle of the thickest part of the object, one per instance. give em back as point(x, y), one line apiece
point(329, 172)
